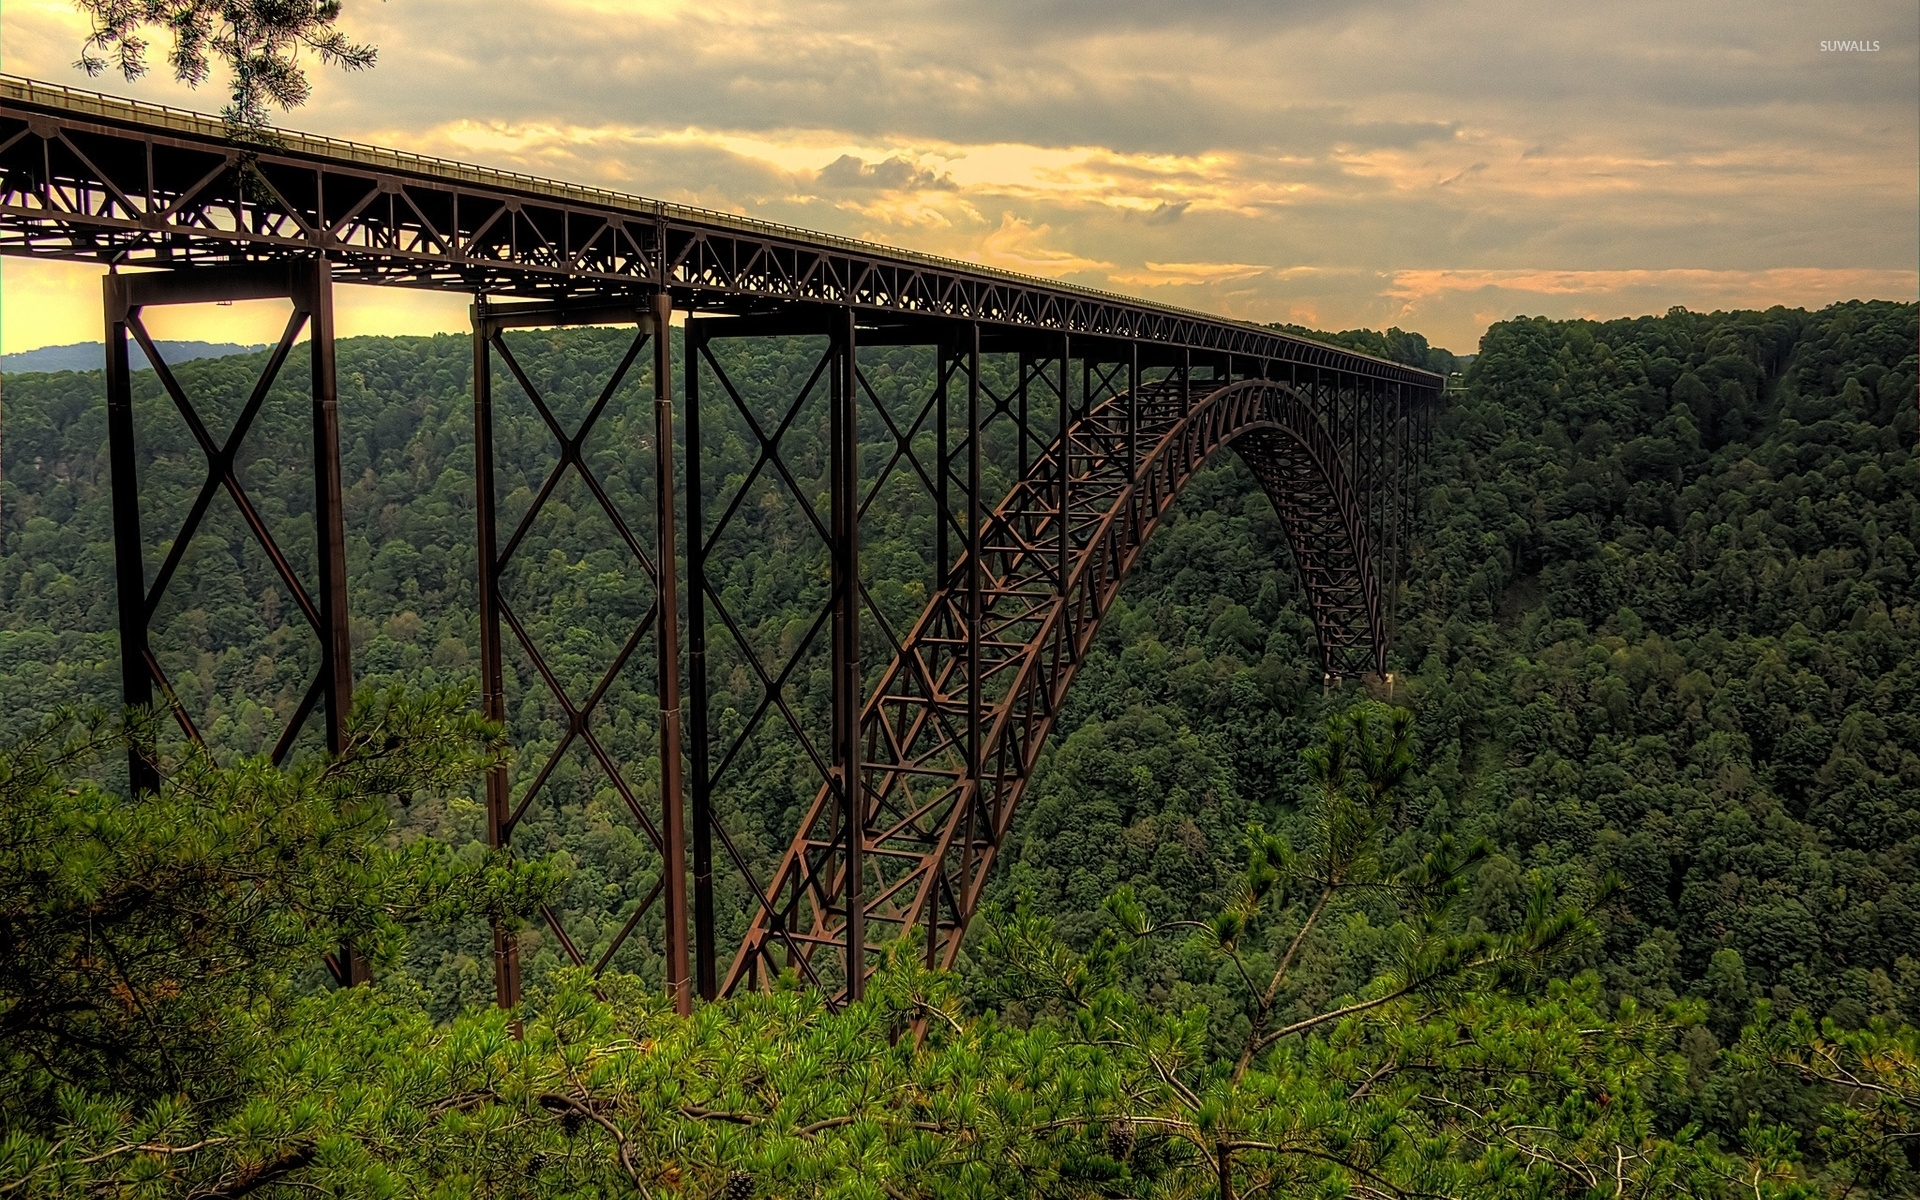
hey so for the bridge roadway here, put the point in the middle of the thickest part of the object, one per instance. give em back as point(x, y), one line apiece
point(938, 744)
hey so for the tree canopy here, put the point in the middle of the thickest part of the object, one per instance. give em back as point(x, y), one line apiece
point(169, 1047)
point(258, 42)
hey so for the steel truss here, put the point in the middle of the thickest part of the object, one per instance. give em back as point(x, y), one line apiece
point(950, 733)
point(86, 176)
point(915, 738)
point(505, 810)
point(308, 285)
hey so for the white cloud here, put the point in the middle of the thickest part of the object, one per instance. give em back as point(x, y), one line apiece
point(1159, 274)
point(1021, 246)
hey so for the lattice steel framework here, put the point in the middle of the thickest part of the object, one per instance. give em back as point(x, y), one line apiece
point(498, 616)
point(949, 733)
point(321, 598)
point(85, 176)
point(915, 738)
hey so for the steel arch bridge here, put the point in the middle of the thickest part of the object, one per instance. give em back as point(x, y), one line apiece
point(1093, 408)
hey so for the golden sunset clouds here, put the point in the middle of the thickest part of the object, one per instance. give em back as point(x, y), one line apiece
point(1433, 165)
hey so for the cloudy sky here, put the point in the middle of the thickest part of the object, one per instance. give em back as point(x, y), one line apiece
point(1433, 164)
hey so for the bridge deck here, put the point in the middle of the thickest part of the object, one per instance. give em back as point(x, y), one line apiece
point(89, 176)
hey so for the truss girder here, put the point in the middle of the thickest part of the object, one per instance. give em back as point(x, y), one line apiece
point(92, 177)
point(996, 664)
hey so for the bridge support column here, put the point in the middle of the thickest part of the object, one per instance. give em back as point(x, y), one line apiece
point(673, 817)
point(493, 700)
point(700, 786)
point(976, 626)
point(308, 285)
point(847, 681)
point(1063, 464)
point(129, 556)
point(647, 317)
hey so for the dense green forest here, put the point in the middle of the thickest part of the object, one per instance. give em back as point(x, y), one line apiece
point(1656, 791)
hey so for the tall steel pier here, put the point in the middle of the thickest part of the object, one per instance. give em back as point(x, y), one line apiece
point(1102, 407)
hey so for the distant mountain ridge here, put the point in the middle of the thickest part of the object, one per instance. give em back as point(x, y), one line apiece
point(91, 356)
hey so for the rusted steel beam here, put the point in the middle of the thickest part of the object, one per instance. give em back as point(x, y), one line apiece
point(493, 700)
point(129, 547)
point(673, 817)
point(700, 789)
point(313, 292)
point(845, 550)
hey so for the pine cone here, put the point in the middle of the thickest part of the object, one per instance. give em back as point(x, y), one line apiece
point(739, 1186)
point(1120, 1140)
point(571, 1121)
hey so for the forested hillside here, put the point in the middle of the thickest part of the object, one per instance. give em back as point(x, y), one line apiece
point(1665, 625)
point(1659, 624)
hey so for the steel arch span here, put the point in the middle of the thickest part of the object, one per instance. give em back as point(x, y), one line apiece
point(951, 733)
